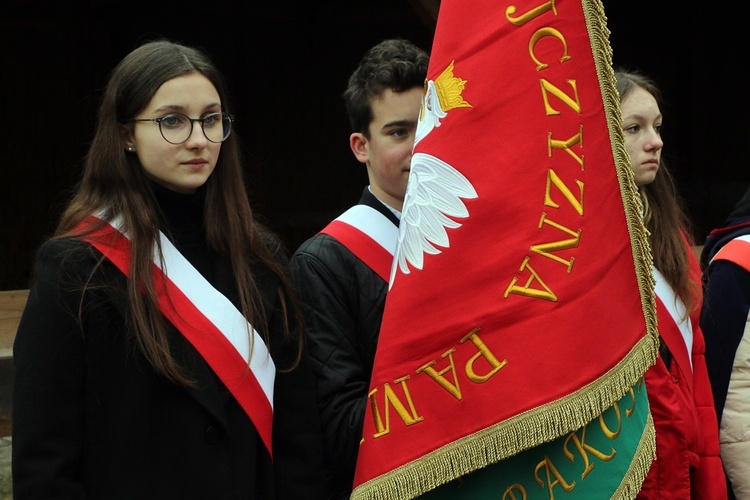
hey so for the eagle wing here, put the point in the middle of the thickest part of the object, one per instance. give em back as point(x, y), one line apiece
point(434, 197)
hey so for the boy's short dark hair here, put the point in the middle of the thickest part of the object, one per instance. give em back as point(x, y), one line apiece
point(395, 64)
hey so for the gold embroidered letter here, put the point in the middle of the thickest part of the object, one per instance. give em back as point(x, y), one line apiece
point(629, 411)
point(437, 376)
point(548, 87)
point(542, 248)
point(535, 293)
point(390, 397)
point(583, 448)
point(541, 34)
point(535, 12)
point(509, 493)
point(484, 352)
point(557, 144)
point(606, 430)
point(552, 178)
point(551, 471)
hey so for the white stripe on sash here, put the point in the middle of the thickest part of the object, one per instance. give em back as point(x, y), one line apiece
point(218, 309)
point(374, 224)
point(676, 309)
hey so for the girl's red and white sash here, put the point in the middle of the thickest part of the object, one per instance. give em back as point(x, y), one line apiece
point(207, 319)
point(369, 235)
point(680, 327)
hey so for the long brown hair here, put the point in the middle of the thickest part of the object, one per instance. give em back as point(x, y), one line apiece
point(671, 233)
point(115, 182)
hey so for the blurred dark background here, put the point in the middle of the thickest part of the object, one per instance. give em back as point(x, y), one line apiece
point(287, 62)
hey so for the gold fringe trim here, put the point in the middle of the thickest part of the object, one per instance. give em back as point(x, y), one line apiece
point(640, 465)
point(510, 437)
point(596, 23)
point(534, 427)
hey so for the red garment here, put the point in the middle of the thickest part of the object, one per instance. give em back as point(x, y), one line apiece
point(688, 463)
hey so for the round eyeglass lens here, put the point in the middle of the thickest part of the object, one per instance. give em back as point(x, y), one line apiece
point(217, 126)
point(176, 128)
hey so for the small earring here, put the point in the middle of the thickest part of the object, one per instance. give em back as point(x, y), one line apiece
point(130, 149)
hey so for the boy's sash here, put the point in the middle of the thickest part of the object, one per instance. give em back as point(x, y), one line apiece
point(207, 319)
point(737, 251)
point(369, 235)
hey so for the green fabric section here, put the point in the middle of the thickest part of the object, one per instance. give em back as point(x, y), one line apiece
point(608, 458)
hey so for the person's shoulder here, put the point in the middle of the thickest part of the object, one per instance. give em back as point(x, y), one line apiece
point(321, 246)
point(734, 255)
point(324, 247)
point(719, 236)
point(68, 250)
point(66, 261)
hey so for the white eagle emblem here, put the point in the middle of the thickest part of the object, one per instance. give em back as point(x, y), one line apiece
point(435, 189)
point(433, 195)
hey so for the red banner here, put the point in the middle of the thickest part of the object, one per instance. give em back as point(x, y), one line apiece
point(521, 301)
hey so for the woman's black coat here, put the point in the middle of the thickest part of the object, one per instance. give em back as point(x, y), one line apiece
point(92, 419)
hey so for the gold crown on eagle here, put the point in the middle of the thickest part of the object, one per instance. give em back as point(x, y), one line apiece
point(449, 89)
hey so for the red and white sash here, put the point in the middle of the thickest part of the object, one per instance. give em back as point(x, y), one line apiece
point(674, 322)
point(737, 251)
point(369, 235)
point(207, 319)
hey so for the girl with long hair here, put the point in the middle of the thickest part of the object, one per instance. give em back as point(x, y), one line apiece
point(160, 353)
point(687, 461)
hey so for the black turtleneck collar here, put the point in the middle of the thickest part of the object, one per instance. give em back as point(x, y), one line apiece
point(181, 214)
point(181, 218)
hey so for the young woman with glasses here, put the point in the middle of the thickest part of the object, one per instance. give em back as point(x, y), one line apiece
point(160, 351)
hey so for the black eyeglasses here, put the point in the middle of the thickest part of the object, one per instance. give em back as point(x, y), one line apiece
point(176, 127)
